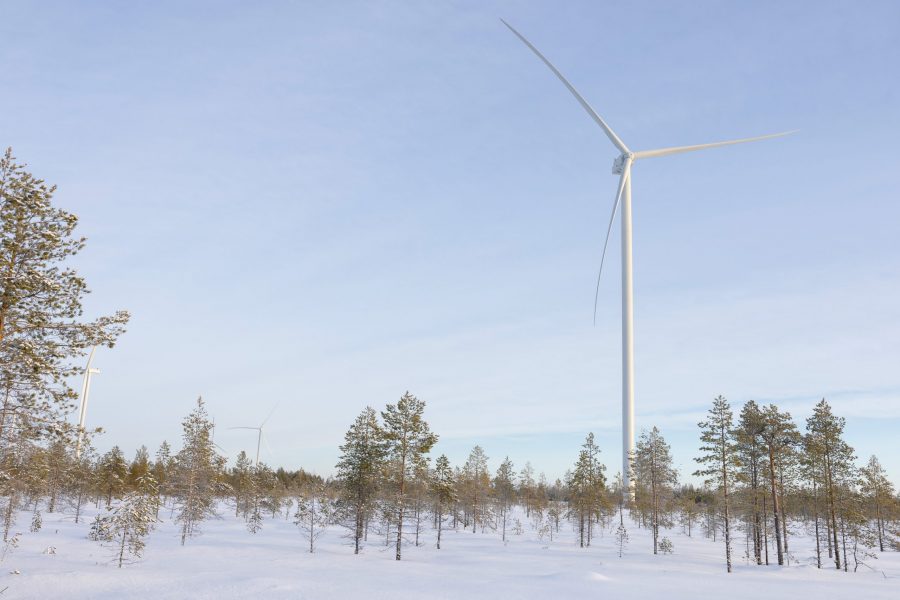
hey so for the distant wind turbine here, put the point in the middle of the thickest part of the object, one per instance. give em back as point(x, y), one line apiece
point(622, 167)
point(82, 409)
point(259, 431)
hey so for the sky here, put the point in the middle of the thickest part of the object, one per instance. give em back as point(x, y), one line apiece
point(310, 207)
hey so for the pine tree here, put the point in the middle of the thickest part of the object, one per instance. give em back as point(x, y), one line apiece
point(505, 492)
point(163, 469)
point(42, 336)
point(719, 459)
point(79, 477)
point(444, 490)
point(878, 491)
point(780, 437)
point(112, 474)
point(60, 463)
point(408, 441)
point(587, 486)
point(197, 473)
point(750, 452)
point(242, 484)
point(140, 466)
point(656, 477)
point(476, 484)
point(835, 459)
point(129, 522)
point(315, 511)
point(359, 470)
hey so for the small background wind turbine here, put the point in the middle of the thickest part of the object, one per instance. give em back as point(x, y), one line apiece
point(622, 167)
point(82, 409)
point(259, 430)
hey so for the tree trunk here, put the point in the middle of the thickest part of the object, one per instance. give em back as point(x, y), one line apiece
point(725, 502)
point(122, 549)
point(775, 505)
point(816, 515)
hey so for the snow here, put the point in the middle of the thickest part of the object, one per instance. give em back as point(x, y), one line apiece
point(228, 562)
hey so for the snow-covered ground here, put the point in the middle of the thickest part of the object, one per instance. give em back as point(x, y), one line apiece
point(228, 562)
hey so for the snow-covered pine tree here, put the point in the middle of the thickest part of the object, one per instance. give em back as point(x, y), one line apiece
point(112, 474)
point(408, 440)
point(42, 336)
point(719, 460)
point(242, 484)
point(60, 462)
point(139, 467)
point(80, 476)
point(621, 538)
point(198, 469)
point(315, 512)
point(269, 489)
point(126, 525)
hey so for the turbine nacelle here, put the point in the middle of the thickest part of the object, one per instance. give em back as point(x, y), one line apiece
point(619, 164)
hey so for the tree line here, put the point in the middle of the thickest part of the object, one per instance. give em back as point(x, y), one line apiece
point(766, 478)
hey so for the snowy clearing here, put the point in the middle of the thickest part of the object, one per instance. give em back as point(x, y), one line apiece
point(228, 562)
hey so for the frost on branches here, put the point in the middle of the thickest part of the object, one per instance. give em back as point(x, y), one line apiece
point(42, 334)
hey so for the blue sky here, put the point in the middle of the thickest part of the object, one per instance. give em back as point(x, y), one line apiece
point(322, 205)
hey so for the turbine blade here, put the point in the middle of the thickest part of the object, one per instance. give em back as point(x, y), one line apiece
point(243, 428)
point(680, 149)
point(271, 412)
point(606, 128)
point(626, 173)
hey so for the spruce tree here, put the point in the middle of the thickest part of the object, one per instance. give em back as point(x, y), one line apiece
point(408, 440)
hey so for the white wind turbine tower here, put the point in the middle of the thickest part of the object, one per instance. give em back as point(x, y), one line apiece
point(259, 431)
point(622, 167)
point(85, 390)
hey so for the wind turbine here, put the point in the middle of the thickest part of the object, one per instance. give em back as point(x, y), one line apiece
point(622, 168)
point(259, 430)
point(85, 390)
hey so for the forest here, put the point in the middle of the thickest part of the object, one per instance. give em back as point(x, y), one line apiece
point(767, 479)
